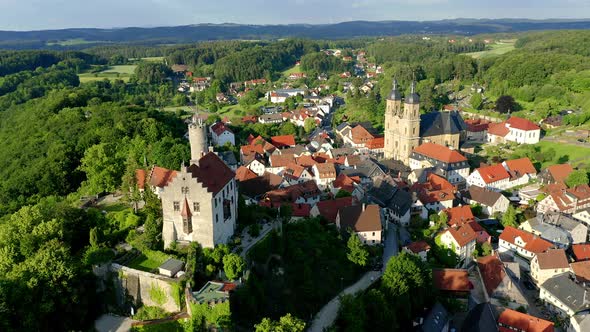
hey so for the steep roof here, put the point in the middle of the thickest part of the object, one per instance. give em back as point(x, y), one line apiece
point(283, 141)
point(553, 259)
point(361, 218)
point(219, 128)
point(435, 189)
point(293, 170)
point(456, 280)
point(560, 172)
point(376, 143)
point(361, 135)
point(306, 161)
point(459, 215)
point(483, 196)
point(346, 182)
point(567, 291)
point(492, 272)
point(260, 185)
point(439, 152)
point(523, 322)
point(520, 167)
point(477, 125)
point(493, 173)
point(462, 234)
point(329, 209)
point(212, 172)
point(581, 270)
point(498, 129)
point(581, 251)
point(140, 177)
point(186, 211)
point(418, 247)
point(326, 170)
point(281, 160)
point(533, 243)
point(522, 124)
point(244, 173)
point(160, 176)
point(441, 123)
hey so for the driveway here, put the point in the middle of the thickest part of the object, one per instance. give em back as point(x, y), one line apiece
point(326, 317)
point(112, 323)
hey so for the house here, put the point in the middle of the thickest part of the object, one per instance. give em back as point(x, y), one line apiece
point(296, 76)
point(367, 170)
point(490, 201)
point(170, 267)
point(284, 141)
point(418, 248)
point(364, 220)
point(523, 243)
point(250, 119)
point(514, 129)
point(329, 208)
point(521, 171)
point(496, 280)
point(435, 194)
point(555, 174)
point(324, 174)
point(565, 200)
point(395, 201)
point(229, 158)
point(581, 270)
point(545, 265)
point(581, 251)
point(459, 215)
point(278, 162)
point(461, 239)
point(255, 162)
point(221, 134)
point(294, 174)
point(213, 293)
point(253, 189)
point(583, 216)
point(243, 174)
point(564, 295)
point(375, 146)
point(494, 177)
point(270, 118)
point(302, 193)
point(512, 320)
point(346, 183)
point(448, 163)
point(157, 178)
point(554, 234)
point(477, 129)
point(452, 281)
point(577, 231)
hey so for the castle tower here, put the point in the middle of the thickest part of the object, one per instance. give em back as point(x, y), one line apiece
point(402, 127)
point(197, 136)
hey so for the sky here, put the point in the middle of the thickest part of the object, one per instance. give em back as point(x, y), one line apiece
point(58, 14)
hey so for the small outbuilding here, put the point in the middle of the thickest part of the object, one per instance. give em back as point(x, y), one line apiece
point(171, 267)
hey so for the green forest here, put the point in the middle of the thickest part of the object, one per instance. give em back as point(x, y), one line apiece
point(64, 141)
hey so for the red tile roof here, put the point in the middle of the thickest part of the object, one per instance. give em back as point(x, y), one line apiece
point(186, 211)
point(294, 171)
point(560, 172)
point(243, 173)
point(435, 189)
point(361, 135)
point(329, 209)
point(522, 322)
point(212, 172)
point(418, 247)
point(493, 173)
point(477, 125)
point(455, 280)
point(306, 161)
point(553, 259)
point(581, 270)
point(376, 143)
point(283, 141)
point(533, 244)
point(522, 124)
point(250, 119)
point(346, 182)
point(307, 189)
point(281, 160)
point(463, 234)
point(498, 129)
point(219, 128)
point(160, 176)
point(140, 176)
point(228, 287)
point(492, 272)
point(459, 215)
point(581, 251)
point(361, 218)
point(326, 170)
point(439, 152)
point(520, 167)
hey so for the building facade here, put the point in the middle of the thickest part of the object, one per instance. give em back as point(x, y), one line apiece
point(402, 126)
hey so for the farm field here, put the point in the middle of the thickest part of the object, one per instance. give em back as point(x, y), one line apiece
point(498, 48)
point(122, 72)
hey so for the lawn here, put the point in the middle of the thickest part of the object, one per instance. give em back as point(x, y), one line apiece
point(564, 152)
point(122, 72)
point(294, 69)
point(148, 262)
point(498, 48)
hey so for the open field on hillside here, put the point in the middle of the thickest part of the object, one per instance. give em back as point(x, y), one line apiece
point(498, 48)
point(122, 72)
point(294, 69)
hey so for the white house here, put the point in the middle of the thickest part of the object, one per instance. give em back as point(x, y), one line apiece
point(547, 264)
point(324, 174)
point(435, 194)
point(461, 239)
point(490, 201)
point(418, 248)
point(522, 243)
point(564, 295)
point(221, 134)
point(514, 129)
point(452, 165)
point(494, 177)
point(521, 171)
point(364, 220)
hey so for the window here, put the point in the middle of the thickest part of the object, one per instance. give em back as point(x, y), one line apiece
point(215, 199)
point(187, 225)
point(176, 206)
point(373, 233)
point(184, 190)
point(216, 217)
point(197, 207)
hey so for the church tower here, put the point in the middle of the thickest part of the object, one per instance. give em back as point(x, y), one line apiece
point(402, 127)
point(197, 136)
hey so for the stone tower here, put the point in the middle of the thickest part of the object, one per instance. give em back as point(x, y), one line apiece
point(197, 135)
point(402, 127)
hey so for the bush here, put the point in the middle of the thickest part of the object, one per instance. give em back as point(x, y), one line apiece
point(254, 230)
point(148, 313)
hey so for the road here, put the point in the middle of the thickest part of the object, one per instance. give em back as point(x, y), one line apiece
point(112, 323)
point(327, 315)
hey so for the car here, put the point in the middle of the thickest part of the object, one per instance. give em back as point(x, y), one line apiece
point(529, 285)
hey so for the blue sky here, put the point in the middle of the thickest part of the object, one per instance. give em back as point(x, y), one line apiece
point(55, 14)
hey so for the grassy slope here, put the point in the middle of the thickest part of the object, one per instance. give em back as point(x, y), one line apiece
point(495, 49)
point(122, 72)
point(294, 69)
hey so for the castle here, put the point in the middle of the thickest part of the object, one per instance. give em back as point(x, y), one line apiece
point(200, 203)
point(406, 128)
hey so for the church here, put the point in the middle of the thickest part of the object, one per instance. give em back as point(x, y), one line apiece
point(406, 128)
point(200, 202)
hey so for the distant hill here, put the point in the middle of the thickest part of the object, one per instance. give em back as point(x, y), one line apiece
point(85, 37)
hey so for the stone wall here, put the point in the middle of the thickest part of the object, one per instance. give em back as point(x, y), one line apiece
point(148, 288)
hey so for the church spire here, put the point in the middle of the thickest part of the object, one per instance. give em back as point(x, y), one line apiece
point(413, 98)
point(394, 94)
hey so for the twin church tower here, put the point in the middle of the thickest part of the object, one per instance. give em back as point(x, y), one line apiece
point(402, 125)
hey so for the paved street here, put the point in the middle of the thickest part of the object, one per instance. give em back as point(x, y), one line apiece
point(112, 323)
point(391, 245)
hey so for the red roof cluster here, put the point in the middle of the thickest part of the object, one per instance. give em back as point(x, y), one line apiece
point(329, 209)
point(477, 125)
point(512, 320)
point(532, 242)
point(283, 141)
point(493, 173)
point(435, 189)
point(459, 215)
point(440, 153)
point(345, 182)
